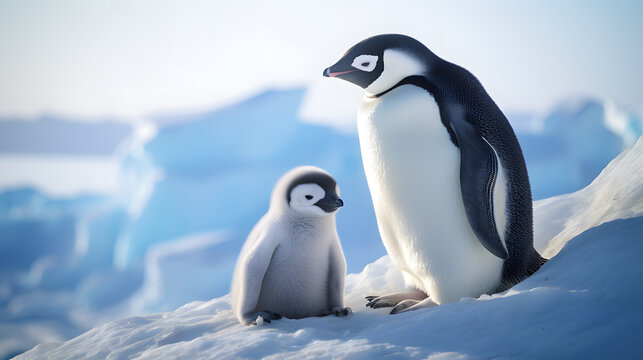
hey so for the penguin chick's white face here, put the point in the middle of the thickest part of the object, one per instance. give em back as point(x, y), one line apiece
point(303, 198)
point(380, 62)
point(317, 198)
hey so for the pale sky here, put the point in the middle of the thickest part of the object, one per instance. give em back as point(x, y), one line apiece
point(93, 58)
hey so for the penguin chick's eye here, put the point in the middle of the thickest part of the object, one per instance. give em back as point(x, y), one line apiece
point(309, 197)
point(365, 62)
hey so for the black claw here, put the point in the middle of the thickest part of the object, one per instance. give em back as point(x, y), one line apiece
point(374, 304)
point(370, 297)
point(397, 309)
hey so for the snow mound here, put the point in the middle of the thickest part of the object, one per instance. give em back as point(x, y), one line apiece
point(616, 193)
point(583, 303)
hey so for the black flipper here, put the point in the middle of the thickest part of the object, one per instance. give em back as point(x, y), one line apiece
point(478, 171)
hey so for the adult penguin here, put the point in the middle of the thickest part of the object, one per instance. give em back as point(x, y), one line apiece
point(446, 174)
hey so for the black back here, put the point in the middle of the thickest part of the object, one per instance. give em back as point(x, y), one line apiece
point(455, 87)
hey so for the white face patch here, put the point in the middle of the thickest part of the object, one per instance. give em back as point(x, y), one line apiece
point(365, 62)
point(303, 198)
point(397, 66)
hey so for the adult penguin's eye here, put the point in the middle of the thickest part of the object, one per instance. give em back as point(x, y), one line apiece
point(365, 62)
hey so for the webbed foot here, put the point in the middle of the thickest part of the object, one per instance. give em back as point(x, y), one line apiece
point(410, 305)
point(393, 299)
point(403, 305)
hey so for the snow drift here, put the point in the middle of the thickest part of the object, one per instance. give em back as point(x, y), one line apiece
point(614, 194)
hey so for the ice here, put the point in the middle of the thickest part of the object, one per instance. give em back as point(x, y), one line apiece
point(617, 193)
point(186, 269)
point(573, 143)
point(221, 177)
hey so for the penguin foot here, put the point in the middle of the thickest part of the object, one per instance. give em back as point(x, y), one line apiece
point(393, 299)
point(267, 316)
point(410, 305)
point(403, 305)
point(338, 311)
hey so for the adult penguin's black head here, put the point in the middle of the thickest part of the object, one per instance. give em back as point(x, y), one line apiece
point(379, 62)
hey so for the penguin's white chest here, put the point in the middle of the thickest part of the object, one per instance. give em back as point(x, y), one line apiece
point(296, 281)
point(413, 171)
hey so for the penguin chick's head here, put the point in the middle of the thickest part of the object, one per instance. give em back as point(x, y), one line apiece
point(308, 190)
point(378, 63)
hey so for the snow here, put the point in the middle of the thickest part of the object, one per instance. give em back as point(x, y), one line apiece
point(556, 312)
point(583, 303)
point(617, 193)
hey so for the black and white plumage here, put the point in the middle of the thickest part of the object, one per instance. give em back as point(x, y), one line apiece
point(446, 174)
point(292, 263)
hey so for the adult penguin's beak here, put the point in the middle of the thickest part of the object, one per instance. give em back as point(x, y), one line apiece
point(329, 72)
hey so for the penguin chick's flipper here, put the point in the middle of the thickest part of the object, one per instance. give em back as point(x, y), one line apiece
point(393, 299)
point(409, 305)
point(478, 172)
point(268, 316)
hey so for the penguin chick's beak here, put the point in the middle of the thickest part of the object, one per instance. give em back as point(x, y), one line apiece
point(330, 203)
point(328, 72)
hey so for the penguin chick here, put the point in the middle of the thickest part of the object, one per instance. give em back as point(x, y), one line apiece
point(292, 263)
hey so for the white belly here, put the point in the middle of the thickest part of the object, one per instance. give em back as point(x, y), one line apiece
point(413, 173)
point(296, 282)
